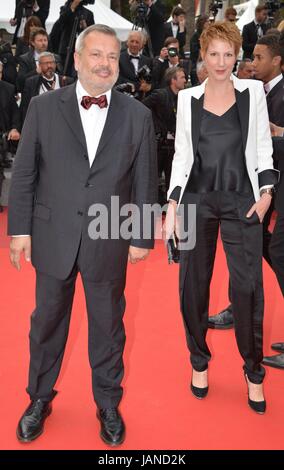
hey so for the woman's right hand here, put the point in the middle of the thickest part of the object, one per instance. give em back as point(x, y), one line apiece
point(170, 224)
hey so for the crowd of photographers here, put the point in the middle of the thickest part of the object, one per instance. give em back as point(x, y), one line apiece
point(153, 65)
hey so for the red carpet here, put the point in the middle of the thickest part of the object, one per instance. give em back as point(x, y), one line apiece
point(158, 408)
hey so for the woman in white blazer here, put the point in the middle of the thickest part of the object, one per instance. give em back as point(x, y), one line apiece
point(223, 166)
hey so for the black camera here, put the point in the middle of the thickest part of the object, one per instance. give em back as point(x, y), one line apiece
point(125, 88)
point(172, 52)
point(215, 6)
point(144, 73)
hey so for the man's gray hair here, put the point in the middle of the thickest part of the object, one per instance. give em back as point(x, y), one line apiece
point(96, 28)
point(46, 54)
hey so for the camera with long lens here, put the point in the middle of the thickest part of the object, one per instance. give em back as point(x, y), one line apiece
point(172, 52)
point(144, 73)
point(215, 6)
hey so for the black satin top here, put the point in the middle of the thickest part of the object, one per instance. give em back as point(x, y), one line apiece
point(219, 164)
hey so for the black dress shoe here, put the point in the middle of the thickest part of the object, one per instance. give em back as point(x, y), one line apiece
point(278, 347)
point(112, 426)
point(258, 406)
point(31, 424)
point(274, 361)
point(223, 320)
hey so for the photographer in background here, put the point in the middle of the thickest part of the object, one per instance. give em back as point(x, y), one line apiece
point(163, 104)
point(130, 63)
point(176, 28)
point(10, 124)
point(71, 13)
point(28, 63)
point(9, 71)
point(150, 14)
point(26, 8)
point(169, 58)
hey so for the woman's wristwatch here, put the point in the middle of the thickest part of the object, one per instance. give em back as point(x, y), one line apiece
point(269, 191)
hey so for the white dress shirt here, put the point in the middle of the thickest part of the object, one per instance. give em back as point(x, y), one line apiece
point(269, 85)
point(93, 121)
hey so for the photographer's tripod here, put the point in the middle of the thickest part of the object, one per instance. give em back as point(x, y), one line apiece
point(71, 44)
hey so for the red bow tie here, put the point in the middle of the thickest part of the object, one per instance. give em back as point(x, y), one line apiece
point(101, 101)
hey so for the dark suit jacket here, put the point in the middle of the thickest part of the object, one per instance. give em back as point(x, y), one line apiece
point(181, 37)
point(9, 110)
point(127, 71)
point(27, 68)
point(163, 104)
point(250, 38)
point(9, 63)
point(32, 87)
point(155, 24)
point(275, 104)
point(42, 14)
point(53, 186)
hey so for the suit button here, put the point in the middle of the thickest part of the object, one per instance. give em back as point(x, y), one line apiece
point(80, 213)
point(186, 176)
point(86, 157)
point(88, 185)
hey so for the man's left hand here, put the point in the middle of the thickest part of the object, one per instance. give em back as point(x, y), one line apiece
point(137, 254)
point(14, 135)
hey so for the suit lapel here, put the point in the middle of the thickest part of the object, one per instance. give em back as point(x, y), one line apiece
point(69, 108)
point(196, 115)
point(243, 102)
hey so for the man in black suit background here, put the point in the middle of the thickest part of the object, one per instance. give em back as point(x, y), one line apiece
point(163, 104)
point(176, 28)
point(168, 58)
point(155, 18)
point(26, 8)
point(254, 30)
point(28, 63)
point(46, 80)
point(130, 62)
point(10, 122)
point(69, 12)
point(78, 156)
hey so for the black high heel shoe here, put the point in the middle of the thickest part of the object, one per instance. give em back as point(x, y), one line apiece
point(257, 406)
point(198, 392)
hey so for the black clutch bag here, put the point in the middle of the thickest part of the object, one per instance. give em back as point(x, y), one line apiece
point(172, 249)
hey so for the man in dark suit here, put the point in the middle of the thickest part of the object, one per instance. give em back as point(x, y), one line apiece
point(155, 19)
point(78, 157)
point(28, 63)
point(68, 14)
point(47, 80)
point(26, 8)
point(8, 61)
point(176, 28)
point(163, 104)
point(10, 122)
point(131, 61)
point(254, 30)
